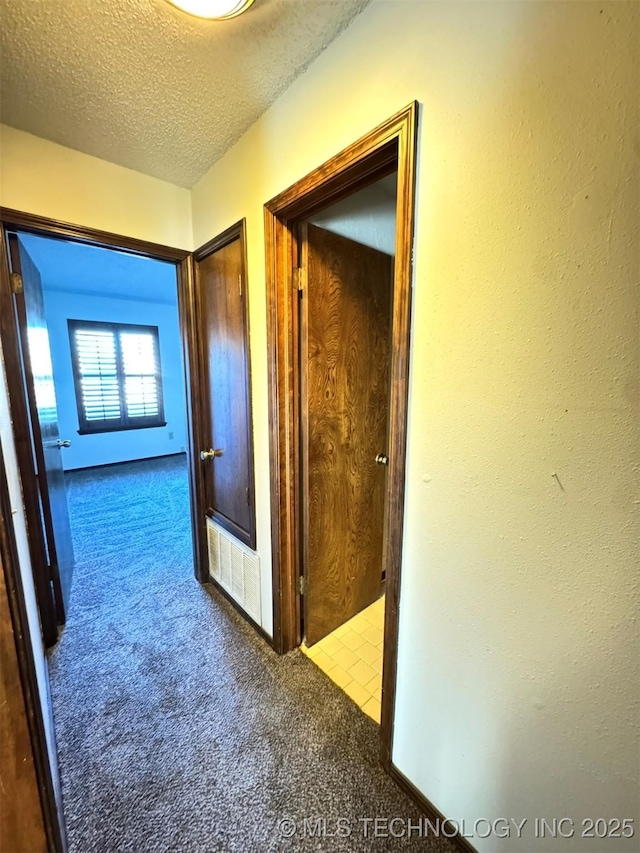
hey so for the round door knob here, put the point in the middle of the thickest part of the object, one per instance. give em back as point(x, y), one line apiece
point(209, 454)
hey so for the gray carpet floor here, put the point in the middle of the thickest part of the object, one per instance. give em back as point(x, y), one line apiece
point(178, 728)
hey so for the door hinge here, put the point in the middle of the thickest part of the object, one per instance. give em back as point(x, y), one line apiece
point(239, 285)
point(302, 585)
point(16, 282)
point(248, 497)
point(299, 279)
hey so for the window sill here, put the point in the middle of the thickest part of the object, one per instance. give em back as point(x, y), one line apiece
point(120, 428)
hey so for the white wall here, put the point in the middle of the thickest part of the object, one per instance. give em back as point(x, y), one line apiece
point(40, 177)
point(105, 448)
point(517, 673)
point(367, 217)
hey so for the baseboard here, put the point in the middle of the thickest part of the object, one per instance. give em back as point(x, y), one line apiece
point(124, 462)
point(427, 808)
point(214, 583)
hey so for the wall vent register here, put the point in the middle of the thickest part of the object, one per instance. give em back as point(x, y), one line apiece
point(235, 568)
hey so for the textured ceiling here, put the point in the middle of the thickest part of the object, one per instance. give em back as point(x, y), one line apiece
point(139, 83)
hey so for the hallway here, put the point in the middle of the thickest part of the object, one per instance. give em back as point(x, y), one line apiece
point(178, 727)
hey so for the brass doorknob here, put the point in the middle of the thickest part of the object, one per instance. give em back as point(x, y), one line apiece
point(63, 443)
point(382, 459)
point(209, 454)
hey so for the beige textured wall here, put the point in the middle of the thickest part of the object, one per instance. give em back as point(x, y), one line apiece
point(41, 177)
point(517, 666)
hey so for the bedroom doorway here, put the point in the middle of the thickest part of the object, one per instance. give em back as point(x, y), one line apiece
point(388, 150)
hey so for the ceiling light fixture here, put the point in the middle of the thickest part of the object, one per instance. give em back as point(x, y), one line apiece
point(218, 10)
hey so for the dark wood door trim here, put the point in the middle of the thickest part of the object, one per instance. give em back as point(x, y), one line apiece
point(29, 223)
point(182, 259)
point(51, 811)
point(237, 231)
point(390, 146)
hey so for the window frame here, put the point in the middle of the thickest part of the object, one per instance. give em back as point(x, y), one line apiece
point(125, 422)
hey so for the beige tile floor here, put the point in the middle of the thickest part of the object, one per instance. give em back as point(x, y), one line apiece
point(352, 657)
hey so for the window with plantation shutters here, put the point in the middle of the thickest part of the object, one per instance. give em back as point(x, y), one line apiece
point(117, 376)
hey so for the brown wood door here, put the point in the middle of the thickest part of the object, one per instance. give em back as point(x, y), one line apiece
point(345, 339)
point(223, 327)
point(47, 445)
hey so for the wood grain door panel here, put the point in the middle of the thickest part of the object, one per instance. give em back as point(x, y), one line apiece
point(223, 319)
point(345, 338)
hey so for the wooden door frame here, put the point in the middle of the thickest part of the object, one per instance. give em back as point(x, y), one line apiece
point(45, 227)
point(390, 147)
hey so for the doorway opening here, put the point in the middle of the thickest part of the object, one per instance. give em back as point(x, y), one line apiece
point(346, 255)
point(107, 354)
point(98, 328)
point(309, 416)
point(46, 564)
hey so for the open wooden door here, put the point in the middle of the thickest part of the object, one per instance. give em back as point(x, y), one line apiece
point(47, 445)
point(345, 341)
point(223, 326)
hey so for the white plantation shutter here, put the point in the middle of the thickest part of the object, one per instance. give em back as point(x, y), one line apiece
point(96, 357)
point(140, 366)
point(117, 375)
